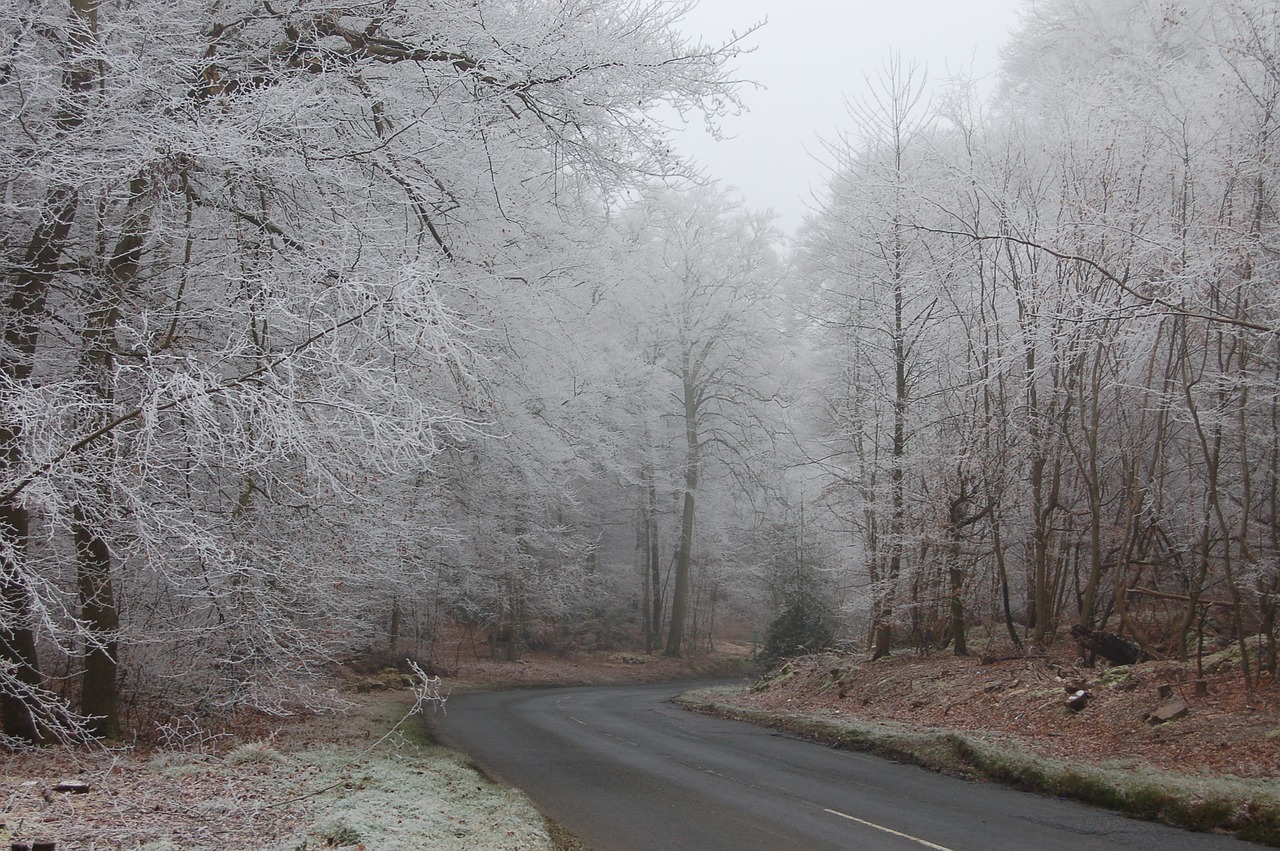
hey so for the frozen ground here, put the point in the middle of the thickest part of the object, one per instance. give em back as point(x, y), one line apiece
point(363, 777)
point(328, 782)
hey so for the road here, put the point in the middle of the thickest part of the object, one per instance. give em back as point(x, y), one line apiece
point(623, 769)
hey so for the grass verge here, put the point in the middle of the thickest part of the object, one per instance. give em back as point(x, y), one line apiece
point(1247, 808)
point(371, 778)
point(408, 793)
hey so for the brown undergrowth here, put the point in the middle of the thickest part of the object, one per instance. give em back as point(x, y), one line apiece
point(1213, 768)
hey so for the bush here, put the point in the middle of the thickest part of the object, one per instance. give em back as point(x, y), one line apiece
point(805, 625)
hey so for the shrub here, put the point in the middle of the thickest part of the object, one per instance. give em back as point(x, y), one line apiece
point(805, 625)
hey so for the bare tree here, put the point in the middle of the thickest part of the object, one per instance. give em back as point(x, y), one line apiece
point(247, 257)
point(710, 277)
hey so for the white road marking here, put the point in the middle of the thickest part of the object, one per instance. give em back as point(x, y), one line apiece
point(575, 719)
point(560, 705)
point(926, 843)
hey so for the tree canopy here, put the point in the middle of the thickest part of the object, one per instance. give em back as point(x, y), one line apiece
point(394, 329)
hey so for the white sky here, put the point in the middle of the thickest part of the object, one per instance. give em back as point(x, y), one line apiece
point(813, 56)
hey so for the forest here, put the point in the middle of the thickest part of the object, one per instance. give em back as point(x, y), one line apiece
point(400, 327)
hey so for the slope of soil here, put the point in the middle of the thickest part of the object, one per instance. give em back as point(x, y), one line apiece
point(541, 669)
point(1199, 751)
point(1228, 730)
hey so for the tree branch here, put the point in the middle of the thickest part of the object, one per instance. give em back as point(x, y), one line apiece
point(136, 413)
point(1151, 301)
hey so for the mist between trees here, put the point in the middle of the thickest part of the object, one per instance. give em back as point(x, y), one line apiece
point(397, 326)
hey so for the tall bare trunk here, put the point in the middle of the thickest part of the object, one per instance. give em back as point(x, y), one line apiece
point(24, 311)
point(651, 567)
point(99, 698)
point(882, 629)
point(680, 594)
point(684, 555)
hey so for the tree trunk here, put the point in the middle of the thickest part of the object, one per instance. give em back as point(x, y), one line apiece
point(23, 313)
point(99, 698)
point(881, 638)
point(1090, 403)
point(98, 694)
point(956, 580)
point(655, 587)
point(882, 628)
point(651, 567)
point(393, 632)
point(1003, 573)
point(646, 592)
point(17, 639)
point(680, 594)
point(690, 369)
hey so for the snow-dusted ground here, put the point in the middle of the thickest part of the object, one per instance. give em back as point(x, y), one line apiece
point(335, 781)
point(412, 799)
point(416, 799)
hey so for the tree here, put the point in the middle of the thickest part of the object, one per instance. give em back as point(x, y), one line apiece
point(247, 257)
point(710, 275)
point(877, 303)
point(1092, 323)
point(805, 625)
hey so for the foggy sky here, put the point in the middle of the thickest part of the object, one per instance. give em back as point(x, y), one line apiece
point(813, 56)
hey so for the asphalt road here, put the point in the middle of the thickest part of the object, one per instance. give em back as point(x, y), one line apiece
point(624, 770)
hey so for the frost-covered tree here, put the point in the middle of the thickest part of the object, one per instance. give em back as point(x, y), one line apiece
point(705, 276)
point(254, 260)
point(874, 299)
point(1099, 355)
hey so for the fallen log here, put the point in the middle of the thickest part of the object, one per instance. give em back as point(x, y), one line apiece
point(1116, 649)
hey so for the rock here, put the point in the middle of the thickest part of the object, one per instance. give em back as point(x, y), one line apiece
point(73, 787)
point(388, 679)
point(1114, 648)
point(1078, 700)
point(1170, 710)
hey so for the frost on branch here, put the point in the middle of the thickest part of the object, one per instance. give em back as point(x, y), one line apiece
point(426, 691)
point(259, 264)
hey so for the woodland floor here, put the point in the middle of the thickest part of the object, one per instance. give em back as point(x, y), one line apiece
point(307, 781)
point(1022, 701)
point(335, 780)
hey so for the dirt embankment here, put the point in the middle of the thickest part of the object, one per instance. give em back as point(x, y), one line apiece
point(1222, 726)
point(1198, 749)
point(1226, 727)
point(620, 668)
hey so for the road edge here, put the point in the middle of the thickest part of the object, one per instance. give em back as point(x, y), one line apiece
point(1207, 804)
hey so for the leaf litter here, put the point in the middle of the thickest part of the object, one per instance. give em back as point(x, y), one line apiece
point(319, 782)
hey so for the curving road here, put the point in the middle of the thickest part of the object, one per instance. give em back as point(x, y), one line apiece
point(625, 770)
